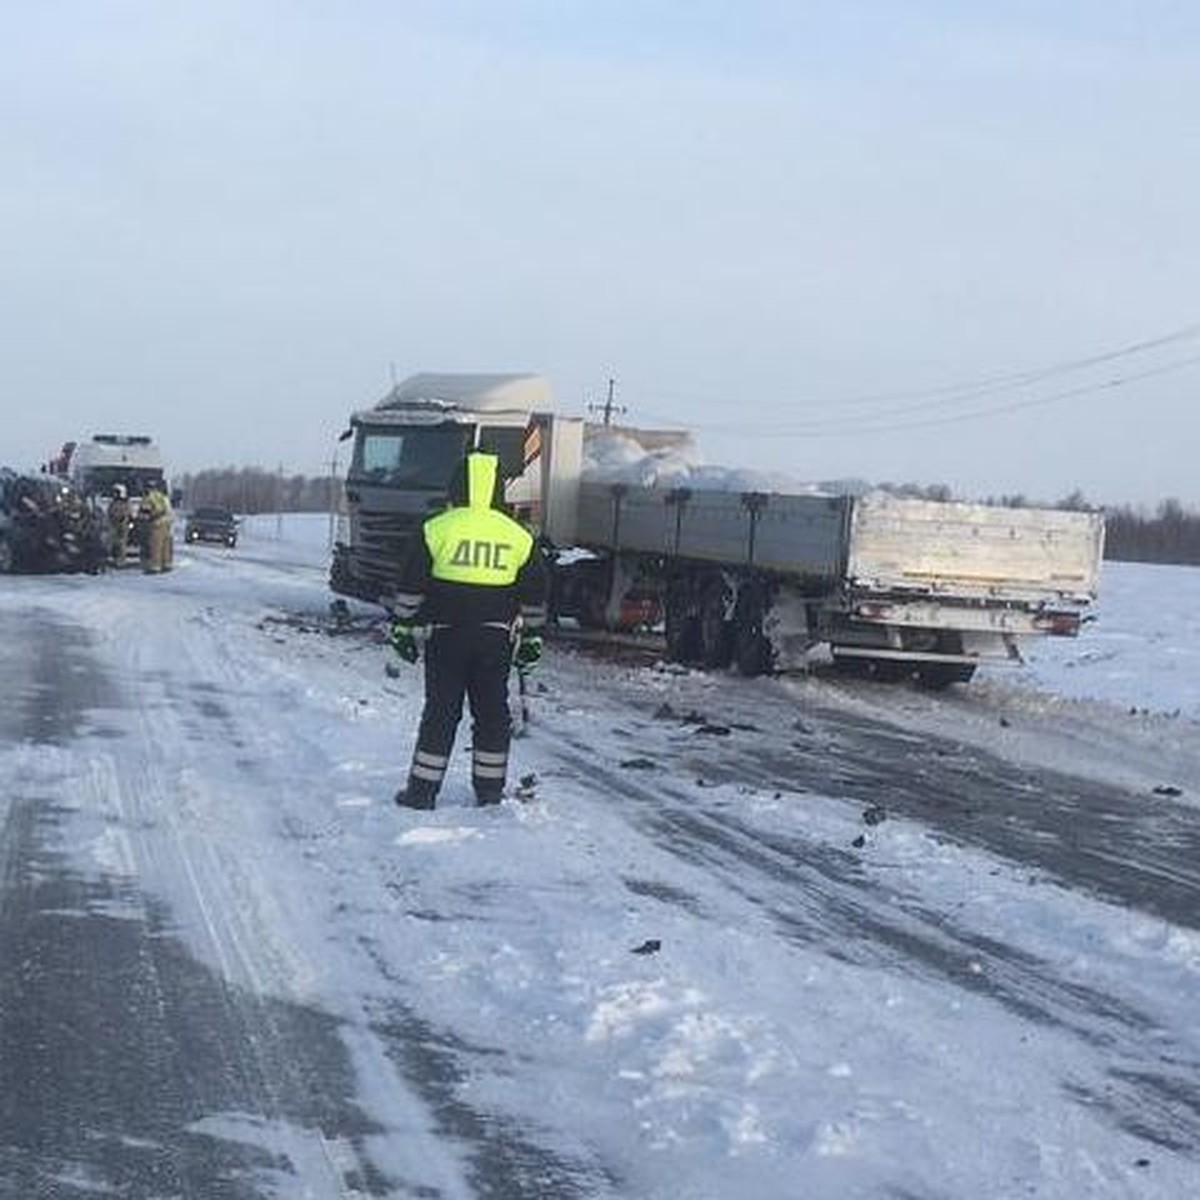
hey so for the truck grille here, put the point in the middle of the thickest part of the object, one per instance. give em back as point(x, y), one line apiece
point(370, 566)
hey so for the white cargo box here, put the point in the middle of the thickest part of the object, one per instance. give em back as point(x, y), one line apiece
point(1020, 554)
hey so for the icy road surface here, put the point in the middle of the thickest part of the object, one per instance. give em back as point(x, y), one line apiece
point(753, 939)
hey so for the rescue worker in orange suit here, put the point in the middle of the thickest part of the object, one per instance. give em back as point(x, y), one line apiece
point(120, 521)
point(476, 582)
point(158, 548)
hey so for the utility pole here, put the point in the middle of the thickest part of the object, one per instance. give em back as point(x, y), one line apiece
point(608, 407)
point(333, 475)
point(279, 504)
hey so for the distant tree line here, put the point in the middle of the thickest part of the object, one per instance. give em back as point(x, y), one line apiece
point(249, 490)
point(1169, 534)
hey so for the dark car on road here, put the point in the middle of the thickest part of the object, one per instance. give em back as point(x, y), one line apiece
point(211, 524)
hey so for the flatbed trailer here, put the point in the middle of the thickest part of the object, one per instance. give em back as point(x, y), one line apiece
point(753, 579)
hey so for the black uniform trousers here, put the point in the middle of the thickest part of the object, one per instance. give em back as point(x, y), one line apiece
point(471, 661)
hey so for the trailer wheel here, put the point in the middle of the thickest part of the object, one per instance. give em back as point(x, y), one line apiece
point(751, 651)
point(715, 628)
point(881, 670)
point(937, 676)
point(681, 624)
point(853, 667)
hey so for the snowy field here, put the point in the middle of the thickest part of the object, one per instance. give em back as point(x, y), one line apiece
point(504, 1039)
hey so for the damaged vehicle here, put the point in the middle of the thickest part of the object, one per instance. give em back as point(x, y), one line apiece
point(46, 527)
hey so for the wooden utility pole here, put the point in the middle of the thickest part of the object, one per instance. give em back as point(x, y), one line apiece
point(608, 407)
point(279, 504)
point(333, 469)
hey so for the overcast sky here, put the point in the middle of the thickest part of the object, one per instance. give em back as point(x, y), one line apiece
point(854, 239)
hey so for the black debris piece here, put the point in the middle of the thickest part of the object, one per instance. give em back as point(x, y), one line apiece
point(664, 712)
point(875, 815)
point(526, 788)
point(714, 730)
point(1167, 789)
point(860, 841)
point(649, 946)
point(639, 764)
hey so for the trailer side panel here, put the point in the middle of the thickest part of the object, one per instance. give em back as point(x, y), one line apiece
point(977, 551)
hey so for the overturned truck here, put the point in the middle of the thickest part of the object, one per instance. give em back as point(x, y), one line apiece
point(755, 579)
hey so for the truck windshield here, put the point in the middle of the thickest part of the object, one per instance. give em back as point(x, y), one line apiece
point(423, 457)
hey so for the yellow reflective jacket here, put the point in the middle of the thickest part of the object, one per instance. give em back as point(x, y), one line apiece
point(473, 564)
point(477, 544)
point(156, 506)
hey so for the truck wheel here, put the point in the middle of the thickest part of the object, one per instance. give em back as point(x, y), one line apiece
point(715, 628)
point(681, 625)
point(853, 667)
point(881, 670)
point(593, 611)
point(6, 557)
point(937, 676)
point(751, 651)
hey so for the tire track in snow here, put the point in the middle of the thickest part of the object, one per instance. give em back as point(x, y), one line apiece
point(827, 897)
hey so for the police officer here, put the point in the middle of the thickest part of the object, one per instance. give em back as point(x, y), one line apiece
point(476, 580)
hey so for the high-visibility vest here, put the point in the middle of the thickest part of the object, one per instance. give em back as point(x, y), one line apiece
point(477, 544)
point(155, 504)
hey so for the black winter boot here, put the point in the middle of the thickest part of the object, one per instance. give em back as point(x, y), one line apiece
point(415, 796)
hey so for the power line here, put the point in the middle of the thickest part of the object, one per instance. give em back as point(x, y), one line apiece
point(868, 425)
point(966, 391)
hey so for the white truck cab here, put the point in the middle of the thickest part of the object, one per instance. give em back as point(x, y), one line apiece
point(133, 460)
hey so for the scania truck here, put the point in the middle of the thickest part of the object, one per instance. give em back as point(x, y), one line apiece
point(756, 579)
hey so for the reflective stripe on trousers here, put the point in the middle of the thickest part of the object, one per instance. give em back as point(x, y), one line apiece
point(489, 765)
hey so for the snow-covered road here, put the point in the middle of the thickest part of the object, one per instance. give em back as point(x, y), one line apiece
point(893, 944)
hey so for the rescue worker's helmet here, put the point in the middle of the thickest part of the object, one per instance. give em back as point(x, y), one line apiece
point(118, 491)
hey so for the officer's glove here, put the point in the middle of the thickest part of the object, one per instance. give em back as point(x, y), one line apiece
point(403, 640)
point(529, 652)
